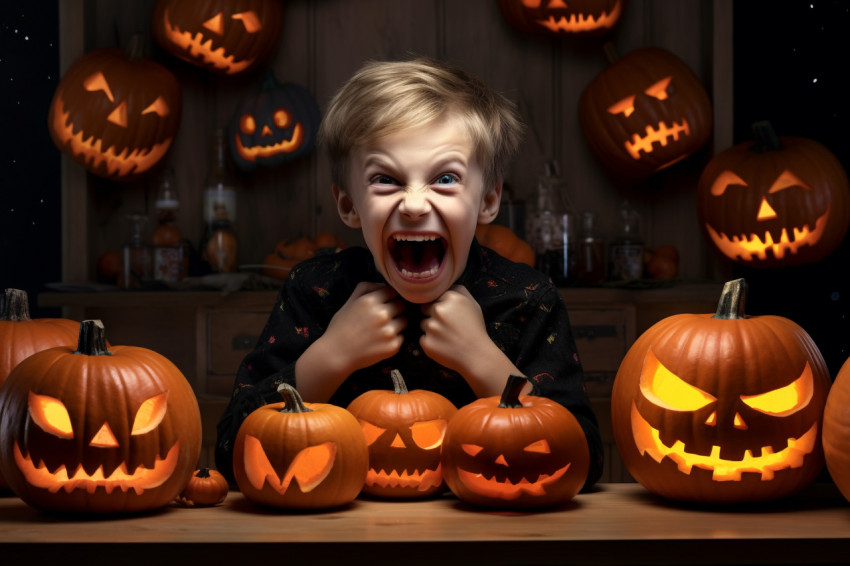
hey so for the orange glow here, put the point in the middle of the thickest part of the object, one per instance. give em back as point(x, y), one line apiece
point(539, 447)
point(309, 468)
point(491, 487)
point(625, 106)
point(661, 134)
point(215, 24)
point(249, 20)
point(580, 22)
point(50, 415)
point(666, 389)
point(150, 414)
point(422, 481)
point(265, 151)
point(197, 47)
point(139, 480)
point(659, 89)
point(371, 432)
point(119, 115)
point(429, 435)
point(104, 438)
point(98, 82)
point(766, 211)
point(158, 107)
point(726, 178)
point(785, 400)
point(786, 180)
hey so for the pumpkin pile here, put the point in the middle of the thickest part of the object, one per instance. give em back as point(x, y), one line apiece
point(289, 251)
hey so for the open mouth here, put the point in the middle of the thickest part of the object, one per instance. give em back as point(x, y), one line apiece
point(417, 256)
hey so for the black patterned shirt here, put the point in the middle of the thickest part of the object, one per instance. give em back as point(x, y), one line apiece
point(523, 312)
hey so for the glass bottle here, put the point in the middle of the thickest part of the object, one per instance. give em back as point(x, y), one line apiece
point(552, 229)
point(136, 261)
point(591, 252)
point(218, 244)
point(170, 250)
point(626, 251)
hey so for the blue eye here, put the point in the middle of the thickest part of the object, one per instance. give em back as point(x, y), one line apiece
point(446, 179)
point(384, 180)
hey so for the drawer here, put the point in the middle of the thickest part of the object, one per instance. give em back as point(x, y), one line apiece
point(230, 336)
point(603, 336)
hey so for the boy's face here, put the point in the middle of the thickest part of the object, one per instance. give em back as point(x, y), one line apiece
point(418, 195)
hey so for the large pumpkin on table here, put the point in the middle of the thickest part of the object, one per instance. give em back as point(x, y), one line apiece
point(774, 201)
point(644, 113)
point(579, 18)
point(115, 112)
point(836, 430)
point(721, 408)
point(97, 429)
point(515, 451)
point(229, 37)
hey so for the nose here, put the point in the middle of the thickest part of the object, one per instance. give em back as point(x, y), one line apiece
point(415, 204)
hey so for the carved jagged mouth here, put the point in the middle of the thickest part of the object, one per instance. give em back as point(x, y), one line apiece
point(491, 487)
point(121, 478)
point(648, 441)
point(197, 47)
point(417, 256)
point(580, 22)
point(91, 149)
point(421, 481)
point(747, 247)
point(271, 150)
point(662, 134)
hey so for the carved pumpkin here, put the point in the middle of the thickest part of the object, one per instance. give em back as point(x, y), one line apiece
point(275, 125)
point(505, 242)
point(206, 488)
point(297, 455)
point(773, 201)
point(22, 336)
point(515, 451)
point(836, 430)
point(644, 113)
point(229, 37)
point(115, 112)
point(98, 430)
point(721, 408)
point(583, 18)
point(404, 431)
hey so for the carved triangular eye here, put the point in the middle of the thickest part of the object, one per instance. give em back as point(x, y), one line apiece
point(666, 389)
point(786, 180)
point(50, 415)
point(158, 107)
point(540, 447)
point(215, 24)
point(150, 414)
point(471, 449)
point(371, 432)
point(249, 20)
point(98, 82)
point(625, 107)
point(724, 180)
point(785, 400)
point(428, 435)
point(659, 89)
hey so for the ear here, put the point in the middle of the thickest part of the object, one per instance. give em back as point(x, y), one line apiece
point(345, 208)
point(490, 204)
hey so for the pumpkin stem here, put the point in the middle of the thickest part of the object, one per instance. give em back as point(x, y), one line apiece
point(269, 81)
point(203, 473)
point(510, 395)
point(14, 305)
point(399, 386)
point(611, 53)
point(765, 136)
point(294, 403)
point(732, 299)
point(92, 340)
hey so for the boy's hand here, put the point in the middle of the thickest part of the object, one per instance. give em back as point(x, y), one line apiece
point(367, 329)
point(453, 330)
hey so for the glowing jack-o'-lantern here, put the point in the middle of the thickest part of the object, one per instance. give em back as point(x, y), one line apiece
point(115, 112)
point(404, 430)
point(774, 201)
point(97, 429)
point(515, 451)
point(297, 455)
point(275, 125)
point(228, 37)
point(721, 408)
point(582, 18)
point(644, 113)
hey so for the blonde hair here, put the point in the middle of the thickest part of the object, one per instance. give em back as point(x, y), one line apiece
point(385, 97)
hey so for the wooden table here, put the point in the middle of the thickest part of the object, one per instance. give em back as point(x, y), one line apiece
point(616, 524)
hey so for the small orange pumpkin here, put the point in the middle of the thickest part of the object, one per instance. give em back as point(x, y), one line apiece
point(505, 242)
point(206, 488)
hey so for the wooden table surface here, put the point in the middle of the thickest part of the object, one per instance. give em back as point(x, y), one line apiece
point(615, 524)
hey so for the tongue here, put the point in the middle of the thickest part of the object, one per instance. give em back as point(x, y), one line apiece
point(417, 257)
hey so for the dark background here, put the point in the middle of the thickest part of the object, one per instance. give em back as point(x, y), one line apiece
point(789, 69)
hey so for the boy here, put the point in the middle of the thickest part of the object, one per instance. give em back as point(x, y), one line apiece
point(417, 150)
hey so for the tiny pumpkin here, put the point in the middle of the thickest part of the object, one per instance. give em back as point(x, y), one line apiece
point(98, 429)
point(515, 451)
point(404, 431)
point(297, 455)
point(206, 488)
point(721, 408)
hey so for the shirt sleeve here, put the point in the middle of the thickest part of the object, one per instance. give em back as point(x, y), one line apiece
point(549, 358)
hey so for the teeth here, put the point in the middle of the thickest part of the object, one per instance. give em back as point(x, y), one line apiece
point(421, 274)
point(415, 237)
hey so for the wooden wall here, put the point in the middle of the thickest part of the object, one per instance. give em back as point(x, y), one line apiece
point(325, 41)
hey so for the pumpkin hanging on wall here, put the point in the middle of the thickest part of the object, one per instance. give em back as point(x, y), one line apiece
point(229, 37)
point(274, 125)
point(721, 408)
point(515, 451)
point(115, 112)
point(97, 429)
point(644, 113)
point(774, 201)
point(297, 455)
point(404, 431)
point(581, 18)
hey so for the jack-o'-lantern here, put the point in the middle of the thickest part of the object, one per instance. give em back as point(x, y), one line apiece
point(722, 408)
point(97, 429)
point(275, 125)
point(229, 37)
point(644, 113)
point(774, 201)
point(404, 431)
point(115, 112)
point(297, 455)
point(515, 451)
point(582, 18)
